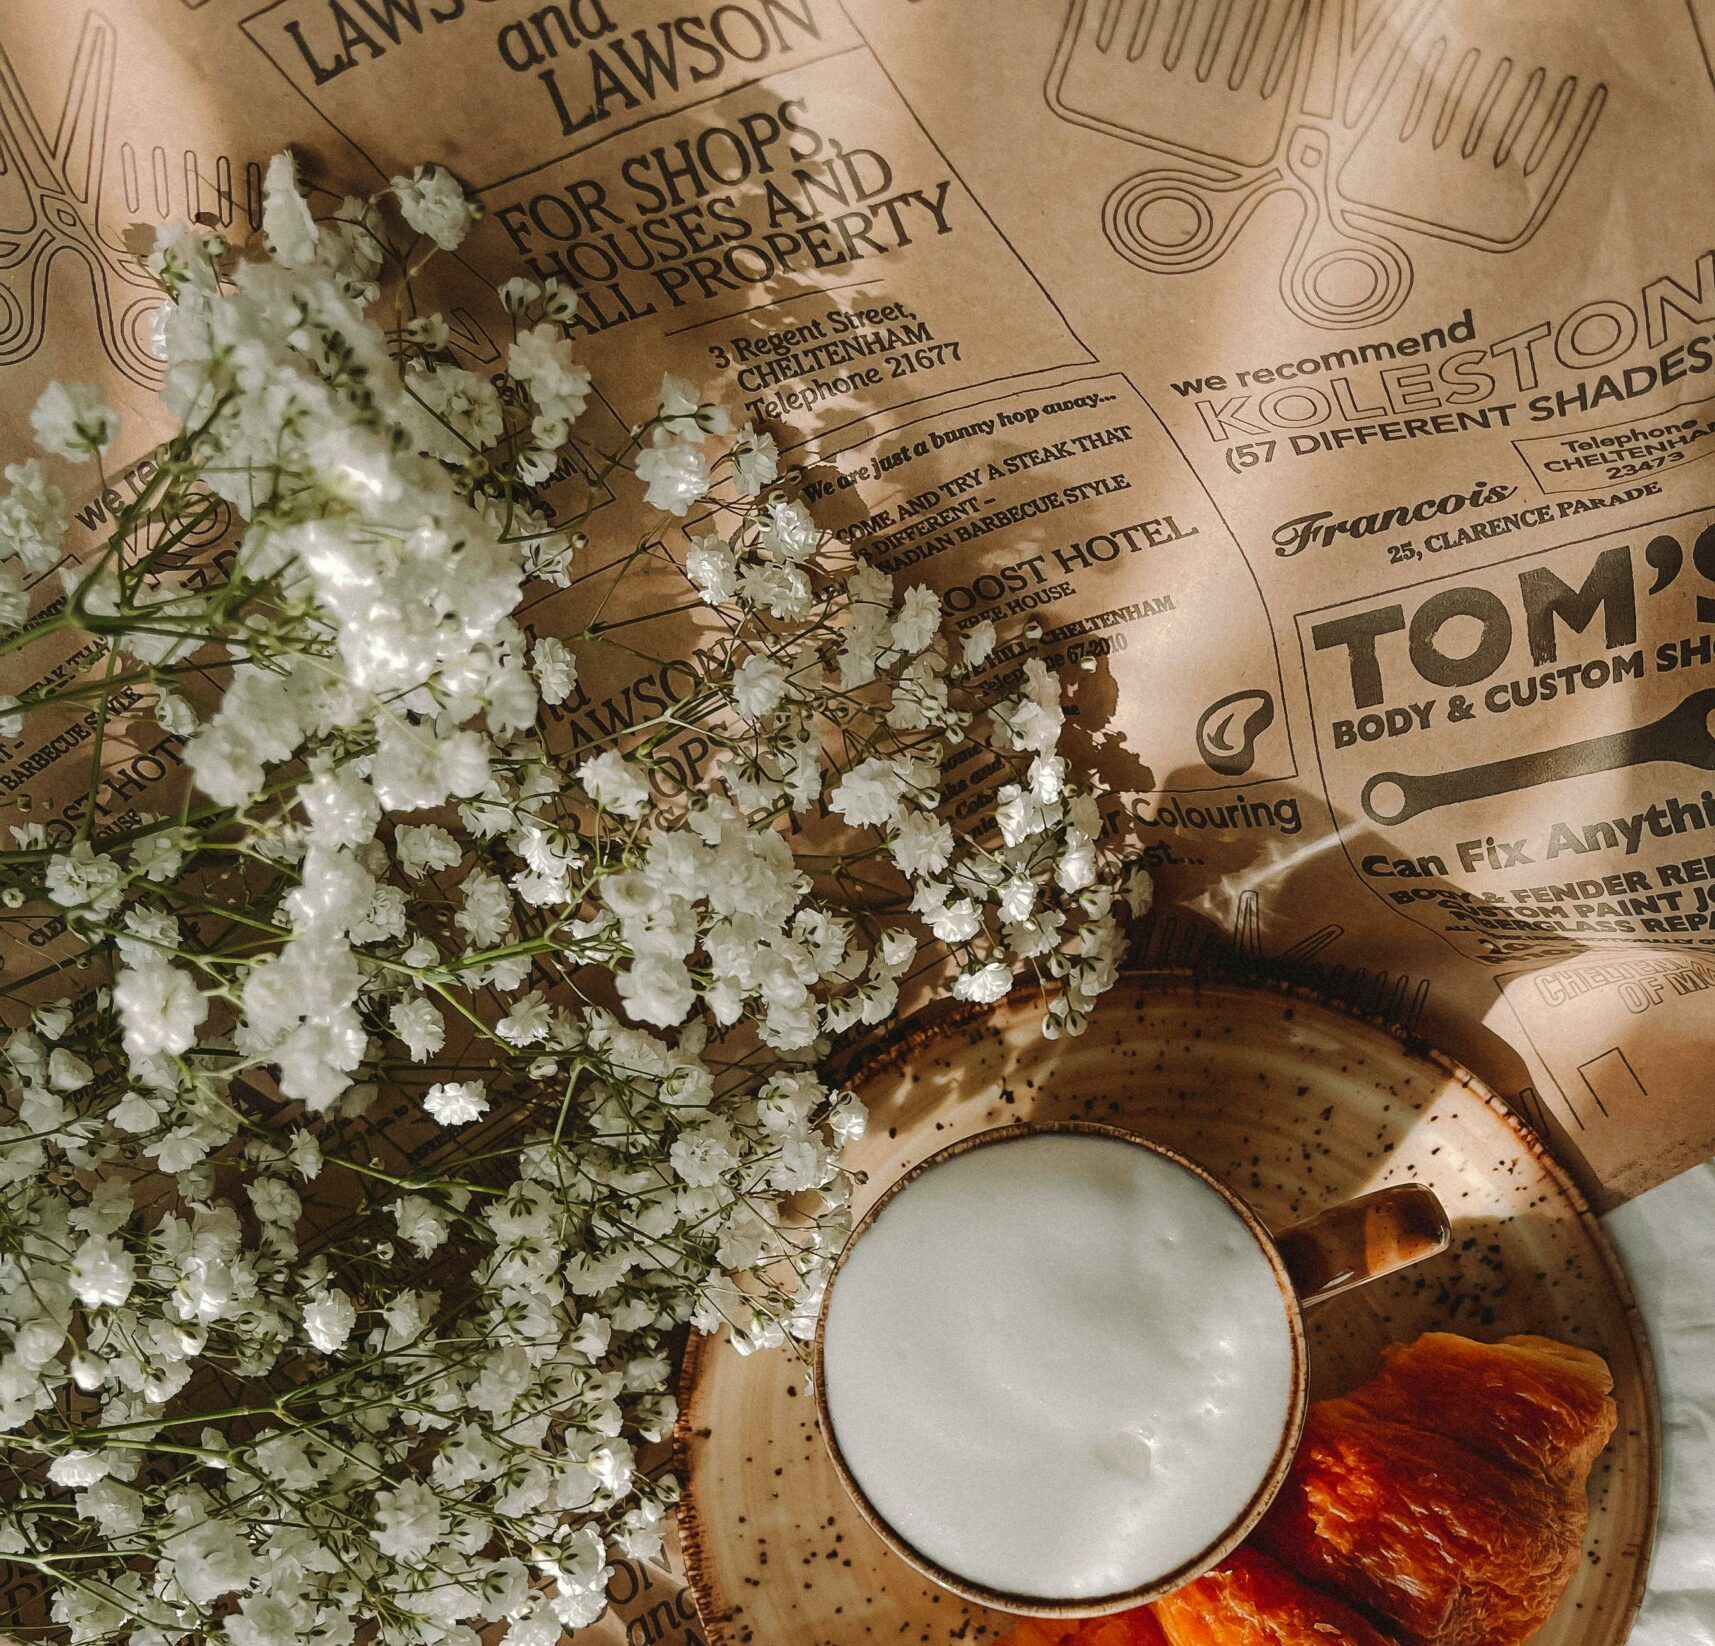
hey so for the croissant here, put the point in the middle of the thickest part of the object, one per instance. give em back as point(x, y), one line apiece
point(1249, 1600)
point(1541, 1406)
point(1245, 1601)
point(1440, 1504)
point(1456, 1519)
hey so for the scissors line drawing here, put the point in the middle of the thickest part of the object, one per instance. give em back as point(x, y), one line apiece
point(1244, 101)
point(54, 186)
point(60, 182)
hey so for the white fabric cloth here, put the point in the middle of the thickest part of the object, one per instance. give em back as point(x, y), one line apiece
point(1667, 1241)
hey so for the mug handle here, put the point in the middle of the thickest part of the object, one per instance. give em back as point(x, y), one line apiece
point(1362, 1240)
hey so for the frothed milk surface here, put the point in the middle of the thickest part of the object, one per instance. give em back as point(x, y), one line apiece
point(1059, 1366)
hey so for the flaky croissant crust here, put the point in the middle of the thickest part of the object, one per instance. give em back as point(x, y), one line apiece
point(1440, 1504)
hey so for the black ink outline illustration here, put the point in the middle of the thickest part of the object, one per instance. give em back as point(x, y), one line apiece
point(1682, 737)
point(1601, 1064)
point(1175, 941)
point(61, 178)
point(1214, 730)
point(1294, 89)
point(1398, 997)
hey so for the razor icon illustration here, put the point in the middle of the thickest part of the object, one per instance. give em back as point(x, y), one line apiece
point(1377, 121)
point(1680, 737)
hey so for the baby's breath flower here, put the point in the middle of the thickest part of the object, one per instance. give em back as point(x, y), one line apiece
point(555, 667)
point(674, 471)
point(329, 1319)
point(74, 420)
point(432, 202)
point(541, 359)
point(160, 1007)
point(684, 415)
point(978, 642)
point(287, 225)
point(756, 461)
point(456, 1102)
point(336, 1370)
point(611, 781)
point(758, 684)
point(33, 517)
point(712, 567)
point(869, 794)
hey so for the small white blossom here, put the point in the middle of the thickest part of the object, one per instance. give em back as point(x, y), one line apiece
point(675, 473)
point(84, 880)
point(922, 844)
point(329, 1319)
point(919, 620)
point(456, 1102)
point(33, 517)
point(432, 202)
point(274, 1201)
point(102, 1272)
point(612, 782)
point(287, 225)
point(789, 533)
point(74, 420)
point(422, 1224)
point(684, 416)
point(986, 983)
point(160, 1006)
point(78, 1468)
point(408, 1522)
point(657, 989)
point(977, 643)
point(712, 567)
point(419, 1025)
point(870, 793)
point(527, 1022)
point(421, 848)
point(541, 359)
point(758, 684)
point(756, 461)
point(555, 668)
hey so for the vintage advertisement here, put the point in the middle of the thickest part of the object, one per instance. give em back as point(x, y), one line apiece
point(1323, 386)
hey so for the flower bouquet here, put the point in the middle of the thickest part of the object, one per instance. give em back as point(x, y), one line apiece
point(387, 1101)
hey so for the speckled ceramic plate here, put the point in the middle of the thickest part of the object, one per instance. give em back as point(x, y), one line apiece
point(1296, 1106)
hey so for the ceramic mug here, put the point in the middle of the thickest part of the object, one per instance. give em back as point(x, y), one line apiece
point(1338, 1249)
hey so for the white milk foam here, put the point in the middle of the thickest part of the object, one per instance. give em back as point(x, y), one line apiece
point(1058, 1366)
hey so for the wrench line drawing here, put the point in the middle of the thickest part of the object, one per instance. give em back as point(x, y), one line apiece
point(1682, 737)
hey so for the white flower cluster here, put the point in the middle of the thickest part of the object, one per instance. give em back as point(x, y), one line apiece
point(420, 1074)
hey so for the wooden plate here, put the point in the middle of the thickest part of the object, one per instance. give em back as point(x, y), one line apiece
point(1295, 1105)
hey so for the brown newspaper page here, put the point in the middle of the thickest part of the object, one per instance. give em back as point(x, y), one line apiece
point(1330, 379)
point(1323, 385)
